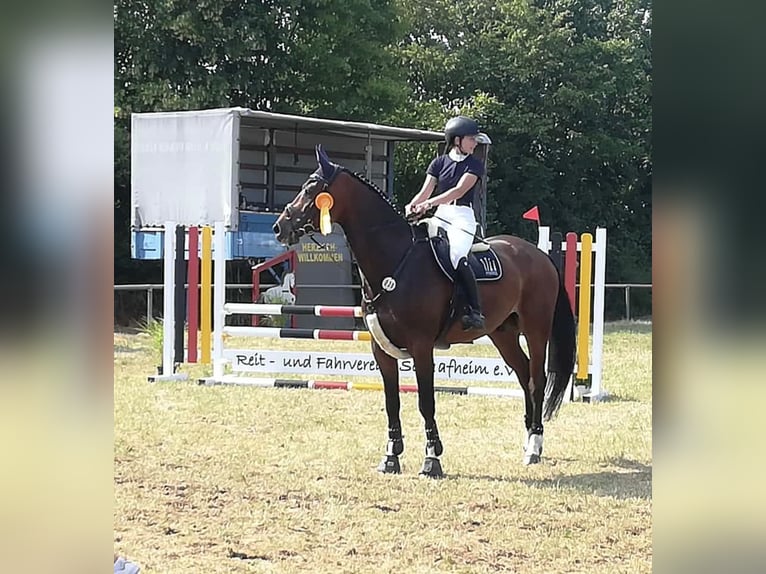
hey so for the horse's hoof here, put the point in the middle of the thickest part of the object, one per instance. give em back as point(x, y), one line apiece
point(532, 459)
point(390, 465)
point(432, 468)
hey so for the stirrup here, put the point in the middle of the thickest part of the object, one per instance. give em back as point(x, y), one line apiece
point(473, 320)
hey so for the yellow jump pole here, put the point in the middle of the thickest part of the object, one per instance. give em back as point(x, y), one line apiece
point(205, 304)
point(583, 314)
point(358, 386)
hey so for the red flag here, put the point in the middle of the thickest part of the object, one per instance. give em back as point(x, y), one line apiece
point(532, 214)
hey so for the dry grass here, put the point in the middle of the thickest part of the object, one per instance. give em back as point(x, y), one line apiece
point(231, 479)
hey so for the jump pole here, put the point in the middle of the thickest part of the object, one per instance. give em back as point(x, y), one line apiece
point(167, 370)
point(599, 286)
point(221, 309)
point(193, 295)
point(219, 298)
point(205, 306)
point(589, 361)
point(354, 386)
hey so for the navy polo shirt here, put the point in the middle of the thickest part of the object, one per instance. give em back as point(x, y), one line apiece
point(448, 173)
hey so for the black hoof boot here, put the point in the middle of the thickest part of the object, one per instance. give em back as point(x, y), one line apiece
point(432, 468)
point(390, 465)
point(532, 459)
point(395, 447)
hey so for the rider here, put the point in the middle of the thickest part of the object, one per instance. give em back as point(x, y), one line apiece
point(455, 174)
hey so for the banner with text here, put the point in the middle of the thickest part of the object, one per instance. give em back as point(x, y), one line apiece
point(320, 364)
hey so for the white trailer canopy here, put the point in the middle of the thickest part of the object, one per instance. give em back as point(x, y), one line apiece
point(183, 167)
point(199, 167)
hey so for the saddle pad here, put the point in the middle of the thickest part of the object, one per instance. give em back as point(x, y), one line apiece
point(485, 264)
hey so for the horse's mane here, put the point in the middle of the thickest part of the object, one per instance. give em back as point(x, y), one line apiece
point(362, 179)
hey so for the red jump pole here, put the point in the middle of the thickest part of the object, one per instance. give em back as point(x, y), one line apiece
point(192, 307)
point(570, 268)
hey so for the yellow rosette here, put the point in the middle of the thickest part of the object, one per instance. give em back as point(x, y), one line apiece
point(324, 202)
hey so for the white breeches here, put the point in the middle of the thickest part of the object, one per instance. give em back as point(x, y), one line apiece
point(460, 229)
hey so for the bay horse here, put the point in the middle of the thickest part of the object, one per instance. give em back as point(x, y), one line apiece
point(411, 298)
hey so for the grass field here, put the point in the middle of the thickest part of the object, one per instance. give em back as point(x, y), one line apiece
point(232, 479)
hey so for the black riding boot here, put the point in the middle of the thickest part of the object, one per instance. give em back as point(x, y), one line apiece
point(473, 319)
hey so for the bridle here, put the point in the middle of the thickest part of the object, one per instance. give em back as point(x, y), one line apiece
point(292, 216)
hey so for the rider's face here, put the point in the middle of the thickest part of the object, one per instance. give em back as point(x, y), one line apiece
point(468, 144)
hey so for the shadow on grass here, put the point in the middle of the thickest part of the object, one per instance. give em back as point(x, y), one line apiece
point(619, 398)
point(631, 480)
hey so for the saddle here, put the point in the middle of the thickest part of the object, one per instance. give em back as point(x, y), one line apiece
point(483, 260)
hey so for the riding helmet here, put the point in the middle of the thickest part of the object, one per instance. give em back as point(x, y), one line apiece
point(461, 126)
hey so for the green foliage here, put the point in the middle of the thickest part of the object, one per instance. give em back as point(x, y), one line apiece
point(325, 57)
point(153, 330)
point(563, 87)
point(564, 90)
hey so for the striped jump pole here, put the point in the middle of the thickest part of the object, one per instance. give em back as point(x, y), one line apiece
point(316, 310)
point(289, 333)
point(356, 386)
point(316, 334)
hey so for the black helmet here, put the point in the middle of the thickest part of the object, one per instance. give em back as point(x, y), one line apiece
point(461, 126)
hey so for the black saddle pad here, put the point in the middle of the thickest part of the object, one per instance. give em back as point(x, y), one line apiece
point(485, 264)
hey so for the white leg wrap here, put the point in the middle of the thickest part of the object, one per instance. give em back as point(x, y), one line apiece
point(534, 445)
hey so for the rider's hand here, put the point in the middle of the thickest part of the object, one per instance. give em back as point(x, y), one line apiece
point(423, 206)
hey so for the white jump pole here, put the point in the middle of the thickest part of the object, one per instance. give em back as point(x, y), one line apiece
point(543, 238)
point(168, 298)
point(599, 282)
point(219, 297)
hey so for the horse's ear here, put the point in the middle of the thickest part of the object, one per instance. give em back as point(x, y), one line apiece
point(326, 168)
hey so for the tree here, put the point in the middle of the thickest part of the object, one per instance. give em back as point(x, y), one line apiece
point(329, 58)
point(564, 89)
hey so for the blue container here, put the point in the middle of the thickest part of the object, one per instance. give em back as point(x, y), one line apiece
point(253, 239)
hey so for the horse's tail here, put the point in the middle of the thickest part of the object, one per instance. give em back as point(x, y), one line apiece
point(561, 354)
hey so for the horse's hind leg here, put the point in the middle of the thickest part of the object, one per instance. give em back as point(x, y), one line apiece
point(389, 370)
point(537, 344)
point(507, 343)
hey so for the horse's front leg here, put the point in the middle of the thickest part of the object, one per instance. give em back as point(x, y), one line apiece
point(424, 371)
point(389, 370)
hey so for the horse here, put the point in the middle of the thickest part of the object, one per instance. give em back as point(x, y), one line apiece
point(283, 293)
point(410, 297)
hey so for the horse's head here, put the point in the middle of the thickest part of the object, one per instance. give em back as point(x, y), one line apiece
point(302, 214)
